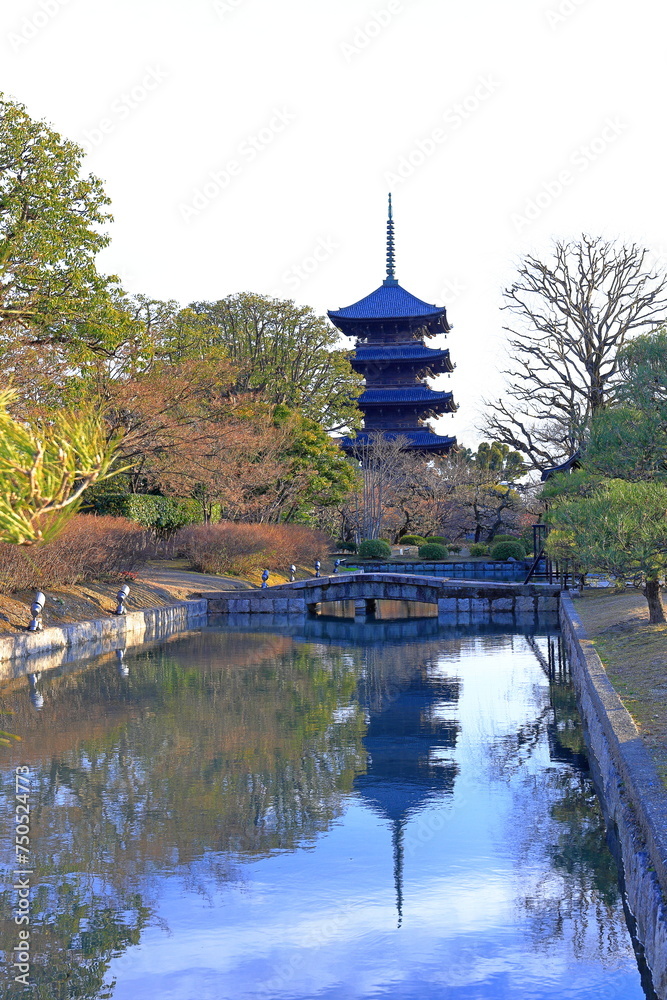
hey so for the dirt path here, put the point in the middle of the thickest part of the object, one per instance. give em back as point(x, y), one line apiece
point(183, 585)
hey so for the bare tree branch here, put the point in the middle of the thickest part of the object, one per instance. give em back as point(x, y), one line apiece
point(572, 316)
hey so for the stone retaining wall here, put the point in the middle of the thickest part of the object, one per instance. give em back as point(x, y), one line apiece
point(633, 796)
point(56, 645)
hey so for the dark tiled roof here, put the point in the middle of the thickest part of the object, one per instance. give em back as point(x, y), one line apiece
point(401, 352)
point(423, 439)
point(418, 394)
point(573, 462)
point(388, 302)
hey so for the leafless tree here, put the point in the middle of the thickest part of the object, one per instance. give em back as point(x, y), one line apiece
point(572, 316)
point(382, 470)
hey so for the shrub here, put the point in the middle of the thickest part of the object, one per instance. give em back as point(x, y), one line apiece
point(239, 549)
point(527, 547)
point(374, 548)
point(89, 547)
point(454, 548)
point(433, 551)
point(507, 550)
point(436, 540)
point(346, 546)
point(478, 549)
point(163, 515)
point(412, 540)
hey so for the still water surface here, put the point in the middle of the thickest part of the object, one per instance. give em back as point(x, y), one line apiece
point(269, 816)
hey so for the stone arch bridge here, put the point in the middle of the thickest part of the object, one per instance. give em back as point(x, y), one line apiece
point(450, 596)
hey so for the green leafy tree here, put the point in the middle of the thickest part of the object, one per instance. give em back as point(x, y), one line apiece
point(283, 351)
point(321, 473)
point(51, 229)
point(612, 513)
point(498, 458)
point(616, 527)
point(629, 440)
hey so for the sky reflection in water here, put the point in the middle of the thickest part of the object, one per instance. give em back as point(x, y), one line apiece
point(253, 816)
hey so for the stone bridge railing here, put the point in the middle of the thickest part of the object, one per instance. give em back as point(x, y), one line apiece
point(450, 596)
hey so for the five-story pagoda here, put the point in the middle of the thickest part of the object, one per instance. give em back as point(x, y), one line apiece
point(389, 327)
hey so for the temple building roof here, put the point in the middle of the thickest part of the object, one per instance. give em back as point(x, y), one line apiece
point(400, 352)
point(424, 440)
point(405, 396)
point(389, 327)
point(389, 301)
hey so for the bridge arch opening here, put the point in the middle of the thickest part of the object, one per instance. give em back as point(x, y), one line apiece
point(375, 609)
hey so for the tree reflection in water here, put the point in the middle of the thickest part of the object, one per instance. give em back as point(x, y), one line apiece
point(577, 893)
point(203, 754)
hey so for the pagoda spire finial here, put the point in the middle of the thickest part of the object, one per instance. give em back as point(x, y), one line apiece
point(391, 277)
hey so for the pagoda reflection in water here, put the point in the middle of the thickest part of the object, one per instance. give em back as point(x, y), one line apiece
point(408, 739)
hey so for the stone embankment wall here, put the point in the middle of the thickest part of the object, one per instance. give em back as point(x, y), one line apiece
point(633, 796)
point(30, 651)
point(471, 570)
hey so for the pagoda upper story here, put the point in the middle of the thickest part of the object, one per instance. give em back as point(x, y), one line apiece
point(389, 327)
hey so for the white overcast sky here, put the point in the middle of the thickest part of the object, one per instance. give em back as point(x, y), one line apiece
point(245, 143)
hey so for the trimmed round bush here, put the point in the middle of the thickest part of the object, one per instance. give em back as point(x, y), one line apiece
point(433, 551)
point(346, 546)
point(436, 540)
point(526, 546)
point(478, 549)
point(412, 540)
point(374, 548)
point(508, 550)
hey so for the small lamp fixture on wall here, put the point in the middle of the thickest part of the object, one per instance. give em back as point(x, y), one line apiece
point(121, 597)
point(36, 608)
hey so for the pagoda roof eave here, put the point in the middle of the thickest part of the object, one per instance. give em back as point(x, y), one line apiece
point(418, 440)
point(400, 352)
point(388, 302)
point(403, 397)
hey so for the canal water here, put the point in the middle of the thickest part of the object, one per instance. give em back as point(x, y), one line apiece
point(358, 813)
